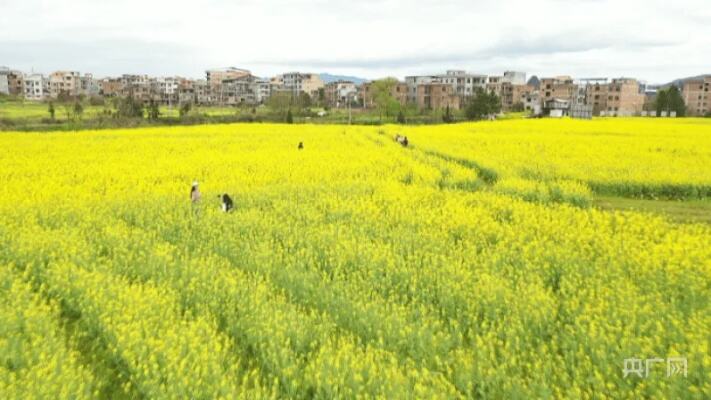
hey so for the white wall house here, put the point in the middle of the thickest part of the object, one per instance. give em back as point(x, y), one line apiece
point(4, 87)
point(36, 87)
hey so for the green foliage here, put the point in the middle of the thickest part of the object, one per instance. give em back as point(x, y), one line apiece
point(51, 110)
point(185, 109)
point(517, 107)
point(670, 100)
point(78, 110)
point(385, 103)
point(154, 110)
point(447, 117)
point(482, 105)
point(400, 117)
point(289, 117)
point(128, 107)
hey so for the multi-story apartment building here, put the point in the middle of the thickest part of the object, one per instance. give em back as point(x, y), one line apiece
point(619, 97)
point(697, 96)
point(36, 87)
point(64, 83)
point(238, 91)
point(139, 87)
point(399, 91)
point(165, 90)
point(464, 84)
point(15, 85)
point(560, 88)
point(89, 86)
point(110, 87)
point(514, 95)
point(532, 102)
point(215, 77)
point(203, 93)
point(412, 82)
point(262, 90)
point(299, 82)
point(432, 96)
point(339, 93)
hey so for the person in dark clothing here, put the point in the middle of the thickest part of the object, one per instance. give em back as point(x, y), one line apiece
point(227, 204)
point(301, 145)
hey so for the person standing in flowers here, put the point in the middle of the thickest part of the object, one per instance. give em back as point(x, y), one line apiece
point(195, 196)
point(195, 193)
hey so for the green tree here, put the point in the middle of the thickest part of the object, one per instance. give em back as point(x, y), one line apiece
point(482, 104)
point(51, 110)
point(400, 117)
point(279, 103)
point(289, 117)
point(382, 93)
point(154, 110)
point(670, 100)
point(447, 117)
point(304, 100)
point(128, 107)
point(321, 96)
point(185, 109)
point(78, 110)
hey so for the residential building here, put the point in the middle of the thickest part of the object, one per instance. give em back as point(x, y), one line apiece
point(36, 87)
point(532, 102)
point(15, 81)
point(166, 90)
point(432, 96)
point(89, 86)
point(697, 96)
point(413, 82)
point(463, 83)
point(4, 87)
point(299, 82)
point(111, 87)
point(215, 77)
point(139, 87)
point(237, 91)
point(64, 83)
point(339, 93)
point(514, 96)
point(619, 97)
point(203, 93)
point(399, 91)
point(262, 90)
point(558, 88)
point(624, 97)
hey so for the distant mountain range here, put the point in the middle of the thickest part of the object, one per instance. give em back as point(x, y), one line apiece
point(328, 78)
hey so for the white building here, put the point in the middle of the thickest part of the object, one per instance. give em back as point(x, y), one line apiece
point(36, 87)
point(4, 87)
point(463, 83)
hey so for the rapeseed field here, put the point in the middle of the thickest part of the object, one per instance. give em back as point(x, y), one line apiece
point(470, 264)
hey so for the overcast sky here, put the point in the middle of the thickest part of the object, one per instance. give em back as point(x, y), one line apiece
point(653, 40)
